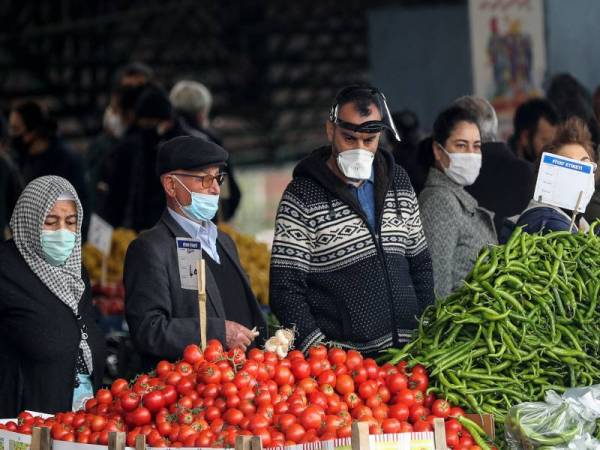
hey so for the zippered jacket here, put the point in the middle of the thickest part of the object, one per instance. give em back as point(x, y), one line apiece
point(336, 280)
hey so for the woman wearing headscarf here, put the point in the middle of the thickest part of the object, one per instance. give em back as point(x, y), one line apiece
point(456, 227)
point(51, 351)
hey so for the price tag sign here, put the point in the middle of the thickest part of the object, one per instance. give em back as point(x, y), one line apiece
point(100, 234)
point(561, 180)
point(189, 251)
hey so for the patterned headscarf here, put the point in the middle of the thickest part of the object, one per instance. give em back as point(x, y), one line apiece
point(26, 225)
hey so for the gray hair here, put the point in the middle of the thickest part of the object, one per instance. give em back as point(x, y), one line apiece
point(484, 113)
point(191, 97)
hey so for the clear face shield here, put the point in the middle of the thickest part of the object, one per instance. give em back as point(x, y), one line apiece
point(370, 126)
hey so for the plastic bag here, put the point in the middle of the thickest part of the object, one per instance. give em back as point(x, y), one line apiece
point(561, 422)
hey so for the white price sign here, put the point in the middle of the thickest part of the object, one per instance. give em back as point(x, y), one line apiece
point(100, 234)
point(561, 180)
point(189, 252)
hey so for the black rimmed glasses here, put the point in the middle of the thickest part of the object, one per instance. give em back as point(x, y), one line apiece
point(207, 180)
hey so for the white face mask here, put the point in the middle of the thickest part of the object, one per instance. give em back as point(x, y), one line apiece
point(356, 164)
point(464, 168)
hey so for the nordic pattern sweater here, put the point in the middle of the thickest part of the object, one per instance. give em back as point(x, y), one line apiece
point(333, 278)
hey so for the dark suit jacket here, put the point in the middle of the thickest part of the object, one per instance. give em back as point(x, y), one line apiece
point(163, 317)
point(39, 340)
point(505, 183)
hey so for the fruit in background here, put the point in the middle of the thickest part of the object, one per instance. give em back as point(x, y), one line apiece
point(92, 258)
point(255, 258)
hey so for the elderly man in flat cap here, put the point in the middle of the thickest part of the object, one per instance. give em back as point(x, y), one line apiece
point(162, 312)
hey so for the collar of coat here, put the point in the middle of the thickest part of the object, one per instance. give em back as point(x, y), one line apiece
point(438, 179)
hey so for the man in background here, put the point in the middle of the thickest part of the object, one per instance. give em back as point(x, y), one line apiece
point(192, 103)
point(534, 126)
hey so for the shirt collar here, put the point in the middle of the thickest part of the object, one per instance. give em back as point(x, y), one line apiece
point(206, 232)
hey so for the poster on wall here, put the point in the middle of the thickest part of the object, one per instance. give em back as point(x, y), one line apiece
point(508, 51)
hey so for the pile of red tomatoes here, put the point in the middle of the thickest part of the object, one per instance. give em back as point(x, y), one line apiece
point(209, 398)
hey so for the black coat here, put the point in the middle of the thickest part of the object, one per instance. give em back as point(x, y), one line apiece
point(504, 185)
point(163, 317)
point(39, 340)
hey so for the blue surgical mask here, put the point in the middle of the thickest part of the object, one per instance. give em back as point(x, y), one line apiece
point(203, 206)
point(58, 245)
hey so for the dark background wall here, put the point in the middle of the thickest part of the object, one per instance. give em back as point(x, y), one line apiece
point(420, 55)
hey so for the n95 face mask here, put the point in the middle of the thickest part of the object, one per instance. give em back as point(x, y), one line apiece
point(356, 164)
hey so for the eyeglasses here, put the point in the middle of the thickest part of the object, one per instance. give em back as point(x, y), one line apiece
point(207, 180)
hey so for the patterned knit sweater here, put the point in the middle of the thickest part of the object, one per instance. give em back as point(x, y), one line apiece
point(336, 280)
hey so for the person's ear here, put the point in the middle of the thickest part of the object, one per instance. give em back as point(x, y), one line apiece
point(329, 127)
point(437, 151)
point(168, 184)
point(524, 138)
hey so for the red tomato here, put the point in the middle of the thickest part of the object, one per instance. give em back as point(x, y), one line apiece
point(118, 386)
point(153, 401)
point(429, 399)
point(327, 377)
point(367, 389)
point(362, 412)
point(308, 385)
point(295, 432)
point(371, 367)
point(396, 382)
point(391, 425)
point(352, 400)
point(312, 417)
point(419, 369)
point(104, 396)
point(421, 426)
point(452, 439)
point(359, 374)
point(169, 394)
point(419, 396)
point(456, 411)
point(353, 359)
point(405, 427)
point(284, 421)
point(400, 411)
point(192, 354)
point(406, 396)
point(337, 356)
point(344, 385)
point(418, 412)
point(418, 381)
point(381, 412)
point(300, 368)
point(283, 375)
point(441, 408)
point(317, 352)
point(256, 354)
point(141, 416)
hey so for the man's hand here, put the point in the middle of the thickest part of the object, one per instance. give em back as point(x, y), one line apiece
point(237, 335)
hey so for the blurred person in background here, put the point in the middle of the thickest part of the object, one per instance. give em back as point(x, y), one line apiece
point(534, 126)
point(573, 140)
point(120, 130)
point(504, 182)
point(51, 350)
point(10, 181)
point(571, 98)
point(406, 150)
point(134, 74)
point(135, 198)
point(192, 102)
point(39, 151)
point(456, 227)
point(350, 264)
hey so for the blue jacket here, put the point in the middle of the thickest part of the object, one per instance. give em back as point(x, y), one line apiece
point(539, 217)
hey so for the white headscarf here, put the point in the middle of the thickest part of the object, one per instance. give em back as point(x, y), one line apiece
point(27, 223)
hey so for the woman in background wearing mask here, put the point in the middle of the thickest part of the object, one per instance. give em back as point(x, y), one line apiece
point(455, 226)
point(51, 351)
point(572, 140)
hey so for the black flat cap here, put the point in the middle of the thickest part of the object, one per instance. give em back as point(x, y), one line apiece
point(189, 153)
